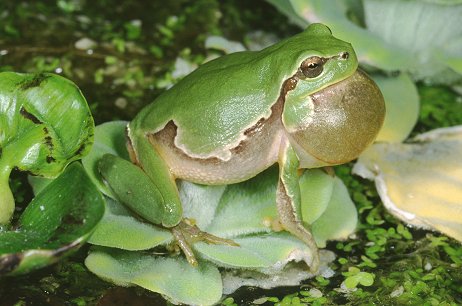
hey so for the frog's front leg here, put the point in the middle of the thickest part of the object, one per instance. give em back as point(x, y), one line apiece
point(288, 200)
point(150, 191)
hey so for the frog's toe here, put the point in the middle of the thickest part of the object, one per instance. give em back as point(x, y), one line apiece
point(186, 233)
point(297, 229)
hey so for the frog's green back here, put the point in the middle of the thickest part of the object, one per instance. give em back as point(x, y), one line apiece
point(216, 103)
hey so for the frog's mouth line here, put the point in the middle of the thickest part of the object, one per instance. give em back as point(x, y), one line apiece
point(347, 117)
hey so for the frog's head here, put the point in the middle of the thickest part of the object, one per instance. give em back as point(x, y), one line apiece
point(332, 110)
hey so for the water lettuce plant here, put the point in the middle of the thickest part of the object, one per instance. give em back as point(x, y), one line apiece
point(45, 124)
point(57, 222)
point(243, 212)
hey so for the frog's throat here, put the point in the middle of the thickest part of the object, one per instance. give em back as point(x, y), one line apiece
point(346, 118)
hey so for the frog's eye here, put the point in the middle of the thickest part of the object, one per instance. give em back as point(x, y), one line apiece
point(312, 67)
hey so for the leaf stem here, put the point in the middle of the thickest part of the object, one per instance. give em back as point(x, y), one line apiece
point(6, 197)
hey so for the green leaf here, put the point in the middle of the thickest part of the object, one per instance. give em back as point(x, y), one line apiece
point(193, 197)
point(174, 278)
point(356, 277)
point(109, 138)
point(450, 54)
point(266, 252)
point(45, 123)
point(38, 183)
point(429, 31)
point(57, 221)
point(402, 104)
point(339, 219)
point(246, 208)
point(316, 192)
point(370, 49)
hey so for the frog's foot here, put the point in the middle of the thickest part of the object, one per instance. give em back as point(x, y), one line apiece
point(301, 232)
point(187, 233)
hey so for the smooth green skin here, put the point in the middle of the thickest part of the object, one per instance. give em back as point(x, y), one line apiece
point(249, 85)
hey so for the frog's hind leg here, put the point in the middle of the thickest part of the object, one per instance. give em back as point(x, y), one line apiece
point(168, 211)
point(288, 201)
point(146, 155)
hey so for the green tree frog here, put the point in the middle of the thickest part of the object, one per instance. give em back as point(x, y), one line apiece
point(301, 103)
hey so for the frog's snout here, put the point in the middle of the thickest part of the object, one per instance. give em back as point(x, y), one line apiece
point(347, 117)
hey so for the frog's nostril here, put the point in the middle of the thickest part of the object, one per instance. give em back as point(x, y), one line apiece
point(344, 55)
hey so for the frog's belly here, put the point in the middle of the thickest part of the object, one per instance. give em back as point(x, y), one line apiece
point(253, 155)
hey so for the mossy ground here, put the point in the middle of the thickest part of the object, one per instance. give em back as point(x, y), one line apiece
point(386, 263)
